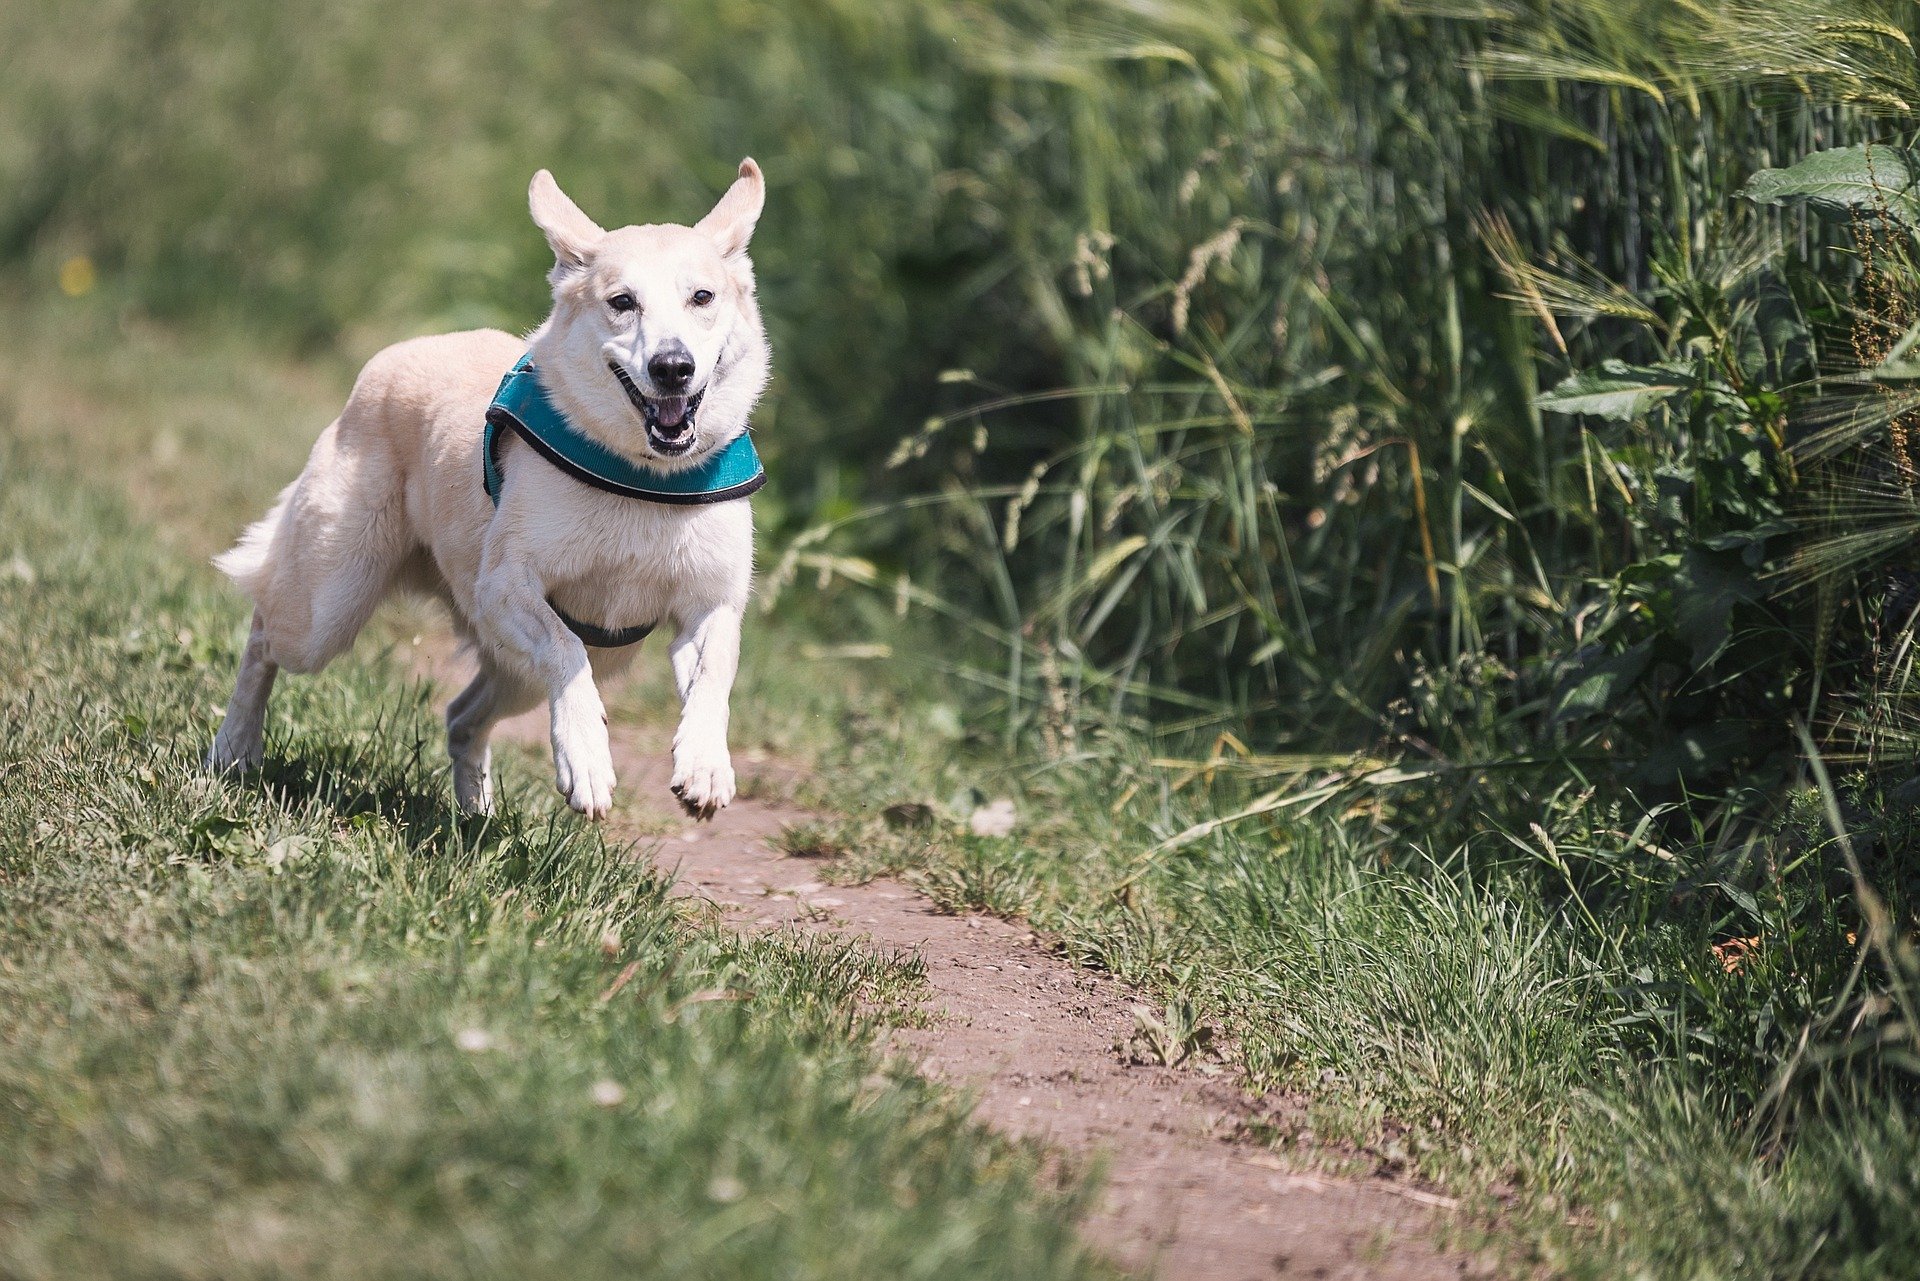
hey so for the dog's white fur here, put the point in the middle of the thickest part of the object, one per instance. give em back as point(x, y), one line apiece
point(391, 497)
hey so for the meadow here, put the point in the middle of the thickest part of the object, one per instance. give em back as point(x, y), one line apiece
point(1413, 502)
point(318, 1025)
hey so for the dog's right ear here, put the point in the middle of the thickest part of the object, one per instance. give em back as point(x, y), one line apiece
point(731, 222)
point(571, 233)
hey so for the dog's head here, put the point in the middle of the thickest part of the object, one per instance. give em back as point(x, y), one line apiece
point(655, 344)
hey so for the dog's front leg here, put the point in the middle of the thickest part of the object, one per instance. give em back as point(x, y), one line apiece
point(518, 624)
point(706, 655)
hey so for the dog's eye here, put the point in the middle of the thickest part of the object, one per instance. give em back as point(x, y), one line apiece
point(701, 297)
point(621, 302)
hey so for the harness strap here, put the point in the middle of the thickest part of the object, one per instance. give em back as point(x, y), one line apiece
point(521, 406)
point(600, 637)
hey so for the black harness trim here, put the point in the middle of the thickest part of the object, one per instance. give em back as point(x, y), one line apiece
point(600, 637)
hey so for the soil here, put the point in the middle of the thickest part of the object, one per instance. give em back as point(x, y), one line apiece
point(1040, 1046)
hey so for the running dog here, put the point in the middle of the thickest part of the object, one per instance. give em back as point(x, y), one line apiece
point(564, 494)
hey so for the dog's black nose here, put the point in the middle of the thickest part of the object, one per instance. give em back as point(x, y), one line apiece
point(671, 368)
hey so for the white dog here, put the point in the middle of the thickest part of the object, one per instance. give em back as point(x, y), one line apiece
point(600, 492)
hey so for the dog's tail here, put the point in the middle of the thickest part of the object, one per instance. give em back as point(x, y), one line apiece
point(246, 561)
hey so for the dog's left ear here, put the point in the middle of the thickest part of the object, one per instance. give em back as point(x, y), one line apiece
point(730, 223)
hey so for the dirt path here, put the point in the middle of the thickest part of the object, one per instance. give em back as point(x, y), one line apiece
point(1035, 1040)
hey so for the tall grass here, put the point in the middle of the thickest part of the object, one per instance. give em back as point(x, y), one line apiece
point(1201, 311)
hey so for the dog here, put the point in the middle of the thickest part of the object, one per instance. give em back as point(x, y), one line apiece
point(650, 361)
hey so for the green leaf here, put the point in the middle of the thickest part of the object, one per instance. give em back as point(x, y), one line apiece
point(1873, 176)
point(1709, 587)
point(1696, 753)
point(1895, 371)
point(1598, 687)
point(1616, 390)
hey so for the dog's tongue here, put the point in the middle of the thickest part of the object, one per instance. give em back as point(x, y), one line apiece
point(670, 410)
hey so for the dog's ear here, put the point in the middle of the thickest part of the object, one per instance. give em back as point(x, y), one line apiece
point(571, 233)
point(730, 223)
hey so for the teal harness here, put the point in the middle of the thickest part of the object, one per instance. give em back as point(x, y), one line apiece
point(521, 406)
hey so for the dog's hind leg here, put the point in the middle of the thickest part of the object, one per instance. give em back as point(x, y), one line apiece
point(316, 567)
point(490, 698)
point(329, 551)
point(241, 742)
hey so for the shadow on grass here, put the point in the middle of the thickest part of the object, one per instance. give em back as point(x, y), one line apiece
point(393, 772)
point(342, 779)
point(365, 783)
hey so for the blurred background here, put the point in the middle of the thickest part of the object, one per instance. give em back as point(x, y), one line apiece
point(1481, 426)
point(1208, 338)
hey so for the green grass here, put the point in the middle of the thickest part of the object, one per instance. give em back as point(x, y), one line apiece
point(313, 1024)
point(1449, 1011)
point(1589, 1081)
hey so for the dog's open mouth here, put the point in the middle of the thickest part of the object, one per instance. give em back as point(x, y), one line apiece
point(669, 419)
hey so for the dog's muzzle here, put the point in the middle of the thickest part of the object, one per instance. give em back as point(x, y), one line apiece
point(669, 419)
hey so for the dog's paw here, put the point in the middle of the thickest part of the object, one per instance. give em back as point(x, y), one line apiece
point(703, 780)
point(473, 783)
point(583, 767)
point(235, 753)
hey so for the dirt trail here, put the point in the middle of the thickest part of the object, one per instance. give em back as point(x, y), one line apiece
point(1034, 1039)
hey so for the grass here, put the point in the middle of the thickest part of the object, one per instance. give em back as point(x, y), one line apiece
point(1437, 1012)
point(315, 1024)
point(1590, 1084)
point(1453, 1013)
